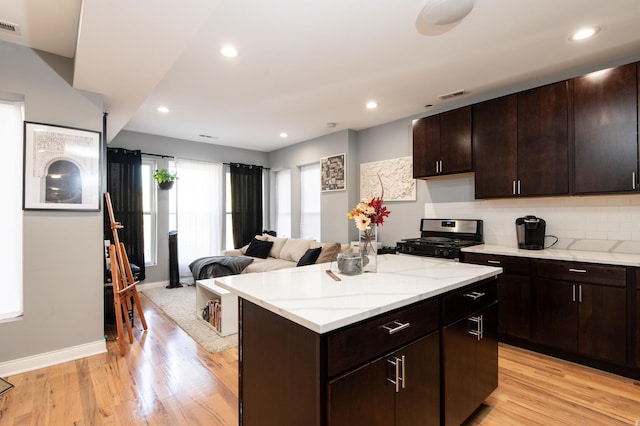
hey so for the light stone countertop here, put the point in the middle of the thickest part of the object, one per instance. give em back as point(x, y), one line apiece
point(310, 297)
point(609, 258)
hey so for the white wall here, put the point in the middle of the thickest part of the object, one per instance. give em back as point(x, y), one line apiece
point(596, 222)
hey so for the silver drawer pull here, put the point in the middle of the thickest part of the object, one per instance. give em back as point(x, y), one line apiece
point(475, 295)
point(582, 271)
point(495, 262)
point(395, 326)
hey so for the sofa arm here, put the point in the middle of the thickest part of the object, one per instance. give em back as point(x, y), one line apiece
point(235, 252)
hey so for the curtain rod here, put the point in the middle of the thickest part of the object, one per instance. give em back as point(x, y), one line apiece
point(246, 165)
point(142, 153)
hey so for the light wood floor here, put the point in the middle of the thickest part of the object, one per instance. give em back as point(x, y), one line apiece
point(168, 379)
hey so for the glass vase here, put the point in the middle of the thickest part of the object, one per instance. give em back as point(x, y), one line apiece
point(368, 248)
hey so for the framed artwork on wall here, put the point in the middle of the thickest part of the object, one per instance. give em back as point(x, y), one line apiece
point(333, 173)
point(61, 168)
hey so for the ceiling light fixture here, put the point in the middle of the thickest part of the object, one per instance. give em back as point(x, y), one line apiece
point(284, 135)
point(372, 105)
point(228, 51)
point(163, 109)
point(584, 33)
point(445, 12)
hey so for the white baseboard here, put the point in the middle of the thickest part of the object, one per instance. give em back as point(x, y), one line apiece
point(48, 359)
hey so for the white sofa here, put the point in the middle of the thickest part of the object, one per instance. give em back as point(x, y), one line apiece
point(286, 252)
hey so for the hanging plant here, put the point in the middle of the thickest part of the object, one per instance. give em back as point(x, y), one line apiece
point(164, 178)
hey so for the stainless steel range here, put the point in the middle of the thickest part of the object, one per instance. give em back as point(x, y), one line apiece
point(443, 238)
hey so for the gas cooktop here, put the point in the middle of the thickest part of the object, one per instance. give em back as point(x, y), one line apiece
point(443, 238)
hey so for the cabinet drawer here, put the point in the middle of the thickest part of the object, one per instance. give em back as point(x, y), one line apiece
point(582, 272)
point(353, 345)
point(460, 303)
point(509, 265)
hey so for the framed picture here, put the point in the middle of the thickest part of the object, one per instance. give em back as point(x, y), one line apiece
point(333, 173)
point(61, 168)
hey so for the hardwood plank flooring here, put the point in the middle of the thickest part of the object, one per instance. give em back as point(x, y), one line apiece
point(168, 379)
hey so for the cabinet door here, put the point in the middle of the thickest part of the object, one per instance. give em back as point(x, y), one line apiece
point(487, 354)
point(514, 295)
point(455, 141)
point(543, 140)
point(638, 326)
point(494, 147)
point(426, 146)
point(606, 123)
point(555, 314)
point(363, 397)
point(418, 402)
point(459, 364)
point(602, 324)
point(366, 396)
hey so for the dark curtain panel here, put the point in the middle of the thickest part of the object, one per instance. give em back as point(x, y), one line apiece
point(246, 202)
point(124, 184)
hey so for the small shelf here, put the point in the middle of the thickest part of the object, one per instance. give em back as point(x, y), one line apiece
point(207, 290)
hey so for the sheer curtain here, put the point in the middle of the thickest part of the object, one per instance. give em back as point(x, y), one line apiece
point(283, 203)
point(310, 201)
point(200, 211)
point(11, 116)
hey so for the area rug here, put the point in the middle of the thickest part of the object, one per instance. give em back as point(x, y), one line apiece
point(180, 305)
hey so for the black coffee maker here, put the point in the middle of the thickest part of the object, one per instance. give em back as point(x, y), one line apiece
point(530, 232)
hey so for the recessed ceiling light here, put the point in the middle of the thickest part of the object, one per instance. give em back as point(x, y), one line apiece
point(228, 51)
point(584, 33)
point(163, 109)
point(372, 105)
point(284, 135)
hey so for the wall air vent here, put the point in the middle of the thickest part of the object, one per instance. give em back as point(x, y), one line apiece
point(451, 95)
point(9, 27)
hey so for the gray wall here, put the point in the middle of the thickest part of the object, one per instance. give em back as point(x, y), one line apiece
point(152, 144)
point(63, 297)
point(334, 205)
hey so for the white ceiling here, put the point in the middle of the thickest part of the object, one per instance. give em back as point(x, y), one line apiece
point(304, 63)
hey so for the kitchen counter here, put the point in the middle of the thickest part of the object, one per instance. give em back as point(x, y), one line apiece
point(311, 298)
point(623, 259)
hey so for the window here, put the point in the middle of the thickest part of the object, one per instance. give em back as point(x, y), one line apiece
point(11, 117)
point(149, 214)
point(310, 201)
point(199, 211)
point(283, 203)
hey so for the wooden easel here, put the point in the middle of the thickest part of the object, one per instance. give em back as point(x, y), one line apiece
point(124, 284)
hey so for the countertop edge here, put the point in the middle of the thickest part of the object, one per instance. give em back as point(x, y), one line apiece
point(621, 259)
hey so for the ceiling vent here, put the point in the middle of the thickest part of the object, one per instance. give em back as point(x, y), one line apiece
point(9, 27)
point(451, 95)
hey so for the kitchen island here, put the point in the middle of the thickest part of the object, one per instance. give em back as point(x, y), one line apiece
point(366, 349)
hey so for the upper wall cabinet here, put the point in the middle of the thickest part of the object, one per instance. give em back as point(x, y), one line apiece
point(495, 147)
point(543, 141)
point(606, 126)
point(442, 144)
point(521, 143)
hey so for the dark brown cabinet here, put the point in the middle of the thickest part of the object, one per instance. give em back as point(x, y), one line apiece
point(521, 143)
point(469, 350)
point(514, 293)
point(638, 326)
point(402, 388)
point(581, 308)
point(543, 140)
point(495, 147)
point(606, 131)
point(442, 144)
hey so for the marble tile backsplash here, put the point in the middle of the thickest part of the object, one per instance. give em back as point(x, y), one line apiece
point(595, 223)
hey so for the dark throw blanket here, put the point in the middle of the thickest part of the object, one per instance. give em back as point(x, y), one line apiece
point(218, 266)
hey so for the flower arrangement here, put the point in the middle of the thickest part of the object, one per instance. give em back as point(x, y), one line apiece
point(370, 211)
